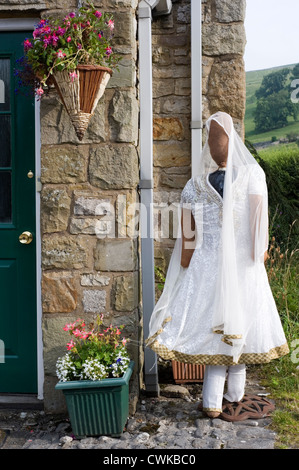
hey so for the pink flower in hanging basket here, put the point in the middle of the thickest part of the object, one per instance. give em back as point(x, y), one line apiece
point(60, 54)
point(47, 40)
point(27, 45)
point(111, 24)
point(55, 39)
point(73, 75)
point(60, 31)
point(62, 44)
point(40, 91)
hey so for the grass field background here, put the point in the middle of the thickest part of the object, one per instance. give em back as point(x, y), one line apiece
point(253, 82)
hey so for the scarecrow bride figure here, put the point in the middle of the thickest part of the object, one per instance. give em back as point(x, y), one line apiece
point(217, 307)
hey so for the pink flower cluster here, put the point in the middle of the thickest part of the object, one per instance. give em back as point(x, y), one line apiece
point(77, 329)
point(43, 31)
point(78, 332)
point(50, 37)
point(27, 45)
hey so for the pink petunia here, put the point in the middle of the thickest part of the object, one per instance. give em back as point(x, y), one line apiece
point(68, 39)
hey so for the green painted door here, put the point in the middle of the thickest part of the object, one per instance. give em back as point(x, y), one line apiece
point(18, 319)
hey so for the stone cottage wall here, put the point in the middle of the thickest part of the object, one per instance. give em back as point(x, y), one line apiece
point(223, 82)
point(89, 260)
point(86, 188)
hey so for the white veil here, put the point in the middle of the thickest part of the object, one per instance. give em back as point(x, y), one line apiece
point(229, 319)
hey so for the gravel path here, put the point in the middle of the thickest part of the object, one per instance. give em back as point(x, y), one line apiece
point(170, 421)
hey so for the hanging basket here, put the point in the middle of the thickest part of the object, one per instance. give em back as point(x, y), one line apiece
point(81, 92)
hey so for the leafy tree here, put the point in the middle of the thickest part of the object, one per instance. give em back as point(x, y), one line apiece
point(272, 83)
point(295, 72)
point(272, 111)
point(274, 105)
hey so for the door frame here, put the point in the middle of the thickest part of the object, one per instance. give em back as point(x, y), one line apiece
point(27, 24)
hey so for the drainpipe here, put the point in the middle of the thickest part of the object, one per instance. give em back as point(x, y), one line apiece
point(196, 84)
point(146, 179)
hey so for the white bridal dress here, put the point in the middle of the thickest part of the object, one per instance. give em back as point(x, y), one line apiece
point(220, 310)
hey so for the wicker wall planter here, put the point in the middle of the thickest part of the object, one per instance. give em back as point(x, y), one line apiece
point(81, 92)
point(187, 373)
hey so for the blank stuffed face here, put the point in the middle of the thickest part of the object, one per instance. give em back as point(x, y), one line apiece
point(218, 143)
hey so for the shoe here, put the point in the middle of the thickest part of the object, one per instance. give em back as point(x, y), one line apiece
point(213, 414)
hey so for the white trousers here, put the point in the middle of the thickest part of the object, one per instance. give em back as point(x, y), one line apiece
point(213, 385)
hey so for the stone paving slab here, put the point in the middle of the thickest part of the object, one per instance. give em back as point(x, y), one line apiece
point(163, 422)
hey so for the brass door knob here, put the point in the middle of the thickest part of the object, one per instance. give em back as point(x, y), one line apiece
point(25, 238)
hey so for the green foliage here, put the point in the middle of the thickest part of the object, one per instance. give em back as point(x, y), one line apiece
point(295, 72)
point(160, 277)
point(253, 82)
point(272, 112)
point(274, 104)
point(281, 166)
point(274, 82)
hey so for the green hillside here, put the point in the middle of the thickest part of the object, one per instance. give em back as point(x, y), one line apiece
point(253, 82)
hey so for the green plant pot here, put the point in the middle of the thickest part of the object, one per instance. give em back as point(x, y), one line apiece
point(99, 407)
